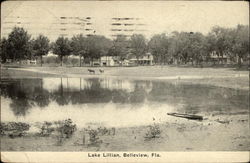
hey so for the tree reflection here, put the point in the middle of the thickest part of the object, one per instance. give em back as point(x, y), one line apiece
point(138, 95)
point(26, 93)
point(61, 96)
point(20, 104)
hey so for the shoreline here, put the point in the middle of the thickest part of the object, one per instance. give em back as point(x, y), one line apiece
point(190, 133)
point(225, 78)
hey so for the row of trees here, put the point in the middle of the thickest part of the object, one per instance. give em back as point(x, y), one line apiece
point(195, 47)
point(19, 45)
point(181, 47)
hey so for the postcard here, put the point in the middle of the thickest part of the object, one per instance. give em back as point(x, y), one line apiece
point(125, 81)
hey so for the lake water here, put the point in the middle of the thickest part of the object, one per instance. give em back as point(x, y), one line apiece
point(113, 102)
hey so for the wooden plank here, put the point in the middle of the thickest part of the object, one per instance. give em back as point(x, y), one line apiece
point(188, 116)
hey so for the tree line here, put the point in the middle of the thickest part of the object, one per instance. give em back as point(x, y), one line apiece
point(177, 47)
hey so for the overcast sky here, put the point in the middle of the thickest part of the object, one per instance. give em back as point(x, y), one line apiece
point(160, 16)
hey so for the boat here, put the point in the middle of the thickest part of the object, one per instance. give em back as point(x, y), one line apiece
point(188, 116)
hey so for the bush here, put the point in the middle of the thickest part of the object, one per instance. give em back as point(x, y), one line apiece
point(65, 130)
point(153, 132)
point(46, 129)
point(93, 136)
point(14, 129)
point(74, 61)
point(71, 61)
point(103, 130)
point(51, 60)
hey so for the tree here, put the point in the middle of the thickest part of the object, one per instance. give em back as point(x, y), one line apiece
point(120, 47)
point(241, 43)
point(4, 50)
point(179, 46)
point(61, 47)
point(19, 44)
point(41, 46)
point(97, 46)
point(159, 46)
point(138, 45)
point(196, 47)
point(79, 46)
point(187, 47)
point(209, 46)
point(222, 40)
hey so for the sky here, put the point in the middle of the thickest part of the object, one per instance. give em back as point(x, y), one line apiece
point(160, 16)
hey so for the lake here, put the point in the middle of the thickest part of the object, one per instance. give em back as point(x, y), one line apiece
point(113, 102)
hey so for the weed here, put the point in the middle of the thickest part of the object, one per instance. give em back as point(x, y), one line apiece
point(93, 136)
point(153, 132)
point(103, 130)
point(46, 129)
point(14, 129)
point(65, 130)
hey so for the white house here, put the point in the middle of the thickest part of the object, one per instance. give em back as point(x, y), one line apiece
point(144, 60)
point(107, 61)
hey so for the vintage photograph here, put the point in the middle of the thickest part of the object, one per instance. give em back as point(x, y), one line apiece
point(152, 76)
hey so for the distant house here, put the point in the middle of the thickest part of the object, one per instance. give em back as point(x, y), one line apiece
point(95, 62)
point(117, 61)
point(144, 60)
point(34, 61)
point(125, 62)
point(29, 61)
point(221, 59)
point(107, 61)
point(8, 60)
point(103, 61)
point(110, 61)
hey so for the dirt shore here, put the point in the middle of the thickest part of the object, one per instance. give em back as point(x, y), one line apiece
point(216, 133)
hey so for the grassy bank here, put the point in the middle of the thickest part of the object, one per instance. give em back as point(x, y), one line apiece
point(223, 77)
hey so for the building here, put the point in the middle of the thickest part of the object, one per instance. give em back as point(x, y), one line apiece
point(117, 61)
point(109, 61)
point(125, 62)
point(219, 59)
point(144, 60)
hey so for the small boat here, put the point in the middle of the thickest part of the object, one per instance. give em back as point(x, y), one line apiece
point(188, 116)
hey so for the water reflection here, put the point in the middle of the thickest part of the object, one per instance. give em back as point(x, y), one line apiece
point(25, 95)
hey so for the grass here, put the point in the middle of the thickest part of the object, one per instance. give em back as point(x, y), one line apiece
point(223, 77)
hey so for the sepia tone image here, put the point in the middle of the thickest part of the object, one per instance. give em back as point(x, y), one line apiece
point(124, 76)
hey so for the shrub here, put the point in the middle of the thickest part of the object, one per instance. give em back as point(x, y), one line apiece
point(93, 136)
point(106, 131)
point(153, 132)
point(46, 129)
point(51, 60)
point(14, 129)
point(103, 130)
point(65, 130)
point(74, 61)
